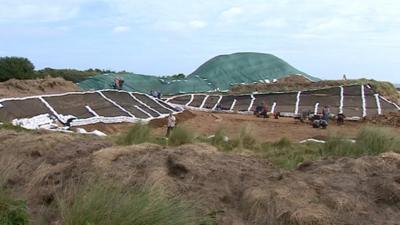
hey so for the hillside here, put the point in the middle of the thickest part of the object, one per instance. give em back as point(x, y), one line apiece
point(246, 67)
point(218, 73)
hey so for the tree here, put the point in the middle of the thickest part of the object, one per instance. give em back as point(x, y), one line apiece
point(16, 67)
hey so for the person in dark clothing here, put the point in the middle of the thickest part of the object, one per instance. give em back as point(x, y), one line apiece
point(340, 119)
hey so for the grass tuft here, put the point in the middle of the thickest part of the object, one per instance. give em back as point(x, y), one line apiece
point(103, 204)
point(137, 134)
point(246, 140)
point(180, 136)
point(369, 141)
point(222, 142)
point(10, 126)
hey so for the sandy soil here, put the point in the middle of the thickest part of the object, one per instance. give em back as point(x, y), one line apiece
point(239, 189)
point(20, 88)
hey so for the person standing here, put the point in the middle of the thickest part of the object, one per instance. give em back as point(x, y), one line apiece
point(171, 123)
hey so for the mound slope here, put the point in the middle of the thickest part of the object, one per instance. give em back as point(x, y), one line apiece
point(246, 67)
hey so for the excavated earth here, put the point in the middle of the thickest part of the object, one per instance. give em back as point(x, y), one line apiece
point(239, 189)
point(22, 88)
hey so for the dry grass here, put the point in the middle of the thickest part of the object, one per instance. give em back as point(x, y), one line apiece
point(105, 204)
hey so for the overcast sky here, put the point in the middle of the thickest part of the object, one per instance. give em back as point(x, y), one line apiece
point(325, 38)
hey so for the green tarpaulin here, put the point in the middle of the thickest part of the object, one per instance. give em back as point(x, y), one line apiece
point(218, 73)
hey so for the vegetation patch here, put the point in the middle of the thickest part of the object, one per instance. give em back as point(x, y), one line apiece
point(180, 136)
point(104, 204)
point(12, 211)
point(137, 134)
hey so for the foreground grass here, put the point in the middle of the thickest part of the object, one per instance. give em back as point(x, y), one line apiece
point(104, 204)
point(12, 211)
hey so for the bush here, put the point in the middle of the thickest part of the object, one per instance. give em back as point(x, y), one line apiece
point(137, 134)
point(12, 212)
point(179, 136)
point(16, 67)
point(102, 204)
point(69, 74)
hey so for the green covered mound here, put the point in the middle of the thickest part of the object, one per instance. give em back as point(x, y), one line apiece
point(219, 73)
point(226, 70)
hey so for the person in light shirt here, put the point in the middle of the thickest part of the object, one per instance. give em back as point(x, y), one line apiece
point(171, 123)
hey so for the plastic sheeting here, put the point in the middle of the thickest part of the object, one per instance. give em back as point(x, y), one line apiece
point(217, 74)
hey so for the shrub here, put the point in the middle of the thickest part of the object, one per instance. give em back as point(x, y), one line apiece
point(16, 67)
point(179, 136)
point(12, 212)
point(103, 204)
point(138, 133)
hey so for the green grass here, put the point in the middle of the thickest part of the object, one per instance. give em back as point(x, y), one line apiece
point(222, 142)
point(369, 141)
point(180, 136)
point(286, 154)
point(246, 139)
point(10, 126)
point(12, 211)
point(137, 134)
point(104, 204)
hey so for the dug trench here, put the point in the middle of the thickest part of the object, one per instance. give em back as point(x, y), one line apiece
point(236, 188)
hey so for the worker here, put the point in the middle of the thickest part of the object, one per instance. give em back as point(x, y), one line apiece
point(326, 113)
point(340, 119)
point(171, 120)
point(121, 84)
point(265, 110)
point(116, 83)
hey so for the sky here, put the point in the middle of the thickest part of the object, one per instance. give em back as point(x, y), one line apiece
point(324, 38)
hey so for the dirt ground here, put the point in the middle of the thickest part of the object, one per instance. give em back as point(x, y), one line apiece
point(205, 123)
point(264, 130)
point(21, 88)
point(238, 189)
